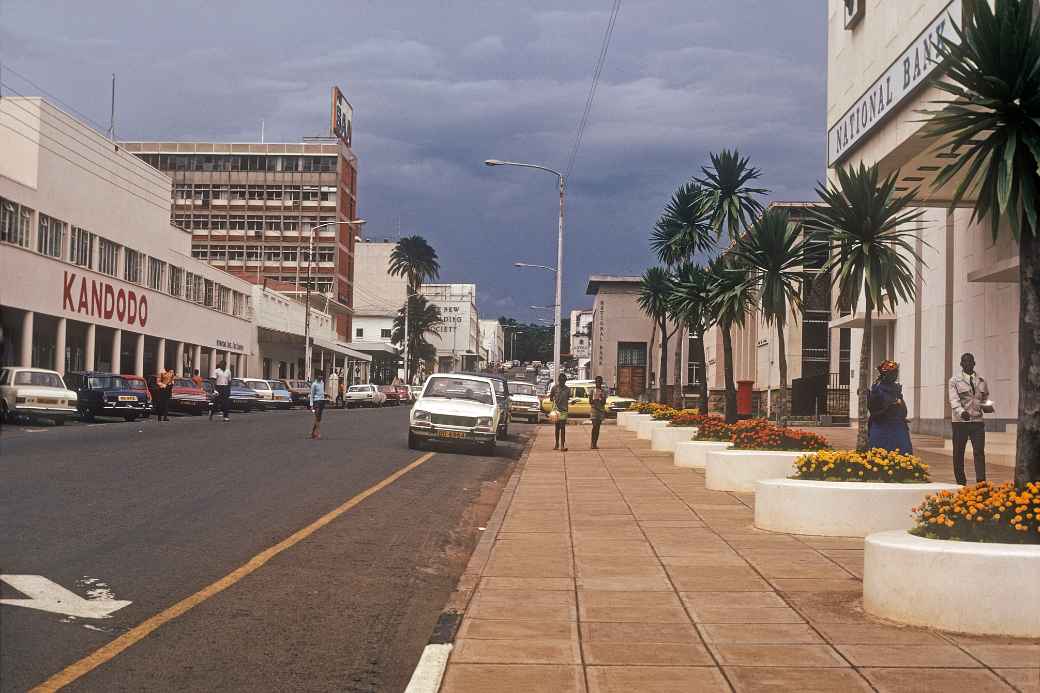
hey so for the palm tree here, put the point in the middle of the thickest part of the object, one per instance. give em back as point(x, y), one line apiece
point(992, 126)
point(730, 202)
point(423, 319)
point(865, 221)
point(416, 260)
point(655, 291)
point(690, 307)
point(773, 251)
point(684, 228)
point(730, 299)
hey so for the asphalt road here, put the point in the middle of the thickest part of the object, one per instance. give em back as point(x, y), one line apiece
point(155, 512)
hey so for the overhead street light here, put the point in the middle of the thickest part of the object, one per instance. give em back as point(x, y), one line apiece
point(528, 264)
point(562, 184)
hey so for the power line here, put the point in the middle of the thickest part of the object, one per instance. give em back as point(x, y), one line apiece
point(600, 61)
point(34, 85)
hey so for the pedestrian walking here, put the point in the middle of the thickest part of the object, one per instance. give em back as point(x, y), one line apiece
point(222, 383)
point(560, 396)
point(969, 401)
point(598, 405)
point(163, 392)
point(316, 401)
point(887, 427)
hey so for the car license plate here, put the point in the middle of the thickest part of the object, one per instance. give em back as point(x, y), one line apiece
point(451, 434)
point(127, 398)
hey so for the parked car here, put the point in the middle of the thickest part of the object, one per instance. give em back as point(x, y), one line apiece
point(365, 396)
point(281, 397)
point(523, 401)
point(188, 398)
point(106, 394)
point(393, 397)
point(300, 391)
point(457, 408)
point(35, 393)
point(262, 388)
point(404, 393)
point(138, 383)
point(243, 398)
point(416, 391)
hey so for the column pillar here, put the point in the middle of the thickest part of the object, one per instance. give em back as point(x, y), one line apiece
point(196, 360)
point(25, 352)
point(88, 355)
point(139, 355)
point(179, 367)
point(160, 354)
point(59, 346)
point(117, 348)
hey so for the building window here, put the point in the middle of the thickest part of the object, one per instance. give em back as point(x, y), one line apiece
point(156, 269)
point(238, 304)
point(208, 298)
point(384, 334)
point(49, 237)
point(108, 257)
point(132, 266)
point(200, 251)
point(192, 287)
point(14, 223)
point(176, 281)
point(81, 247)
point(359, 332)
point(224, 299)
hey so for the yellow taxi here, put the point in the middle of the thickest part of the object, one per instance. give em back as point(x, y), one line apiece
point(579, 401)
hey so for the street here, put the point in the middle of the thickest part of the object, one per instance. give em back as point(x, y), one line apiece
point(153, 513)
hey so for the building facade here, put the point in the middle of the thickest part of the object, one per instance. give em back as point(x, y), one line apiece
point(92, 274)
point(378, 296)
point(626, 346)
point(493, 342)
point(881, 57)
point(458, 337)
point(251, 208)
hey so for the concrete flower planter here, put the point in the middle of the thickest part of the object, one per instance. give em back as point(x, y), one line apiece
point(959, 586)
point(738, 470)
point(647, 427)
point(837, 508)
point(623, 418)
point(632, 422)
point(694, 453)
point(664, 439)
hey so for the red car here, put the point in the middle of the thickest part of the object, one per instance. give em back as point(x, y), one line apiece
point(403, 393)
point(393, 397)
point(139, 384)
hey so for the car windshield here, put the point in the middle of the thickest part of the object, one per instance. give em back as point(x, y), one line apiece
point(107, 382)
point(38, 378)
point(136, 384)
point(258, 385)
point(460, 388)
point(521, 389)
point(358, 388)
point(237, 383)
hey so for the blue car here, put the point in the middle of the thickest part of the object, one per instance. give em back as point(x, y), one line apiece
point(106, 394)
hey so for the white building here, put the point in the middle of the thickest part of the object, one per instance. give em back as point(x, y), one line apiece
point(581, 339)
point(92, 273)
point(880, 57)
point(458, 337)
point(377, 295)
point(493, 341)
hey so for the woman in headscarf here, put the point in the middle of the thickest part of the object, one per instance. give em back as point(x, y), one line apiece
point(887, 427)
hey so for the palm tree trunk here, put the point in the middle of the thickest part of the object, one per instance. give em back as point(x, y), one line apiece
point(731, 388)
point(662, 398)
point(1027, 457)
point(782, 356)
point(863, 387)
point(677, 392)
point(699, 357)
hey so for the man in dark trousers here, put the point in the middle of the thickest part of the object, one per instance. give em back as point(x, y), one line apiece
point(969, 400)
point(560, 395)
point(598, 406)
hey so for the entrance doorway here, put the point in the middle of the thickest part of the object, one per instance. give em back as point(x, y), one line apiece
point(631, 369)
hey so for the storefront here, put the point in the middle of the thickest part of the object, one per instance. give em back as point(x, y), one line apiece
point(92, 274)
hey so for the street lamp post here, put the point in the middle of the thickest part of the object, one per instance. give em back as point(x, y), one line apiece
point(307, 360)
point(559, 249)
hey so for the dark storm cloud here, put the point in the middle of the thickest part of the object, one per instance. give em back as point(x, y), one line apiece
point(438, 87)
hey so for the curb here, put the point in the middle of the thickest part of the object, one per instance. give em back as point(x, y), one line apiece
point(434, 660)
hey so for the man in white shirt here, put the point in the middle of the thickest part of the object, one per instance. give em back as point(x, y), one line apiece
point(969, 396)
point(222, 381)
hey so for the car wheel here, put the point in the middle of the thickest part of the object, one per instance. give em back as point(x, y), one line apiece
point(86, 415)
point(59, 420)
point(489, 449)
point(413, 441)
point(4, 415)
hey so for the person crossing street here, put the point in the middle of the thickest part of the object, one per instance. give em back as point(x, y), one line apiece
point(222, 382)
point(316, 402)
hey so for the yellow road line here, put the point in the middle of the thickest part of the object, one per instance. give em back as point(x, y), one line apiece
point(143, 630)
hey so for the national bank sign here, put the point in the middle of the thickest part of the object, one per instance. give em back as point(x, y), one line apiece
point(912, 69)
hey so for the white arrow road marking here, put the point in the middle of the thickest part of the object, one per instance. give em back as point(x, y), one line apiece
point(46, 595)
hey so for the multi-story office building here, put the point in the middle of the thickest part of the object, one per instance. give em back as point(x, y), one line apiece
point(492, 341)
point(251, 209)
point(378, 295)
point(458, 336)
point(92, 274)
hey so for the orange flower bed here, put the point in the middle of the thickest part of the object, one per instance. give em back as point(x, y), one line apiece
point(758, 434)
point(986, 512)
point(715, 428)
point(688, 417)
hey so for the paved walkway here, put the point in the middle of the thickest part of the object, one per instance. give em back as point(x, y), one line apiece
point(614, 570)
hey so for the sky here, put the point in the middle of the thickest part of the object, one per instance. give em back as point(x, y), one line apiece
point(438, 86)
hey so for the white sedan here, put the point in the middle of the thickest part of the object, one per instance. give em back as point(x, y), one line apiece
point(364, 396)
point(35, 393)
point(456, 408)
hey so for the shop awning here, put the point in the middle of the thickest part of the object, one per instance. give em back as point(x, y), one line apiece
point(340, 348)
point(856, 320)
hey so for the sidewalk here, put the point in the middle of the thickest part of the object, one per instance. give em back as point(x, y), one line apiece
point(614, 570)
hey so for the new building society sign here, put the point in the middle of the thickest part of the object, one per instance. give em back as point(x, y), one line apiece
point(899, 81)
